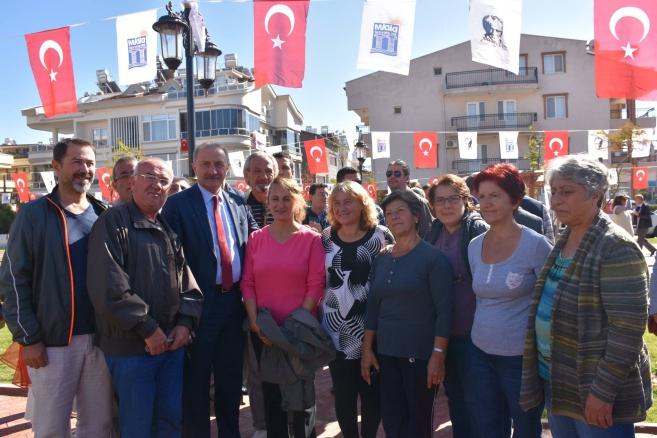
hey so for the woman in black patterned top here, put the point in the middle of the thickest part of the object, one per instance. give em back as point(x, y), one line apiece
point(351, 244)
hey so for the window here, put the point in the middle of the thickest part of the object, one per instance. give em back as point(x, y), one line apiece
point(99, 137)
point(437, 71)
point(124, 131)
point(161, 127)
point(476, 112)
point(522, 63)
point(554, 63)
point(506, 109)
point(225, 121)
point(396, 110)
point(556, 106)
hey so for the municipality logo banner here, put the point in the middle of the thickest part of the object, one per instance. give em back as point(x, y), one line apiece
point(136, 46)
point(386, 35)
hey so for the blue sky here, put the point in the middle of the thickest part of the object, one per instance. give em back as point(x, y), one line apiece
point(331, 47)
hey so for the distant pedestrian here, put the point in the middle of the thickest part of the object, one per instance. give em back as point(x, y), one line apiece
point(643, 224)
point(621, 214)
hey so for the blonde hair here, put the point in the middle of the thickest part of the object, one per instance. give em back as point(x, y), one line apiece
point(368, 217)
point(296, 192)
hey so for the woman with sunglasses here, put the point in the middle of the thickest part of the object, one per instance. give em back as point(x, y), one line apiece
point(456, 224)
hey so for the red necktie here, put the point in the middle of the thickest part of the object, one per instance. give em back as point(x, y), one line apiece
point(224, 252)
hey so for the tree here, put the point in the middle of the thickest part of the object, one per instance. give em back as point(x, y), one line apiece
point(622, 140)
point(534, 146)
point(123, 150)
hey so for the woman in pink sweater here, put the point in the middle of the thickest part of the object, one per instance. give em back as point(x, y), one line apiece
point(283, 270)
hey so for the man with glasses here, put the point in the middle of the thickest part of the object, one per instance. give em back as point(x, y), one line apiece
point(122, 173)
point(399, 176)
point(213, 224)
point(147, 304)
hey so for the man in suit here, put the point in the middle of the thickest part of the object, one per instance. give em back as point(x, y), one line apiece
point(644, 222)
point(213, 225)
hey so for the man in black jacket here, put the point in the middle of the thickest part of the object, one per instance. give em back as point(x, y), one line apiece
point(644, 222)
point(147, 304)
point(46, 303)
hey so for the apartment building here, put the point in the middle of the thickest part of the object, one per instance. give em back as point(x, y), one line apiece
point(152, 118)
point(445, 91)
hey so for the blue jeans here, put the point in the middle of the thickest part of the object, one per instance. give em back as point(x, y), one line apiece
point(461, 393)
point(149, 392)
point(497, 379)
point(566, 427)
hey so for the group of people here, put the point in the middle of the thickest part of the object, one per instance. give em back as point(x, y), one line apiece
point(130, 312)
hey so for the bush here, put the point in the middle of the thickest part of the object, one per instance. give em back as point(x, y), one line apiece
point(7, 216)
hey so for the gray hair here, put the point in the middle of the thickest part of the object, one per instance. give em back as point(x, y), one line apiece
point(123, 159)
point(264, 156)
point(405, 168)
point(207, 145)
point(153, 160)
point(584, 171)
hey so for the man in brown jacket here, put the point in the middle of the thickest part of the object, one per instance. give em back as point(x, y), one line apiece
point(147, 304)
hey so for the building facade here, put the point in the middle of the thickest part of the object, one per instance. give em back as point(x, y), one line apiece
point(152, 118)
point(447, 92)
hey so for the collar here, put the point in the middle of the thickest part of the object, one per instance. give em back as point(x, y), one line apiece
point(139, 220)
point(207, 195)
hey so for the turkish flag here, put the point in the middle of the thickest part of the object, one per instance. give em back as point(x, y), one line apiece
point(640, 178)
point(316, 156)
point(20, 182)
point(555, 145)
point(184, 145)
point(280, 42)
point(426, 150)
point(433, 181)
point(626, 49)
point(104, 175)
point(306, 192)
point(240, 186)
point(50, 57)
point(371, 190)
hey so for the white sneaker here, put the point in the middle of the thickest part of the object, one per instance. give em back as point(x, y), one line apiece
point(260, 434)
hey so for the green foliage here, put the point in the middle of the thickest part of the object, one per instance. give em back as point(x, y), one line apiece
point(7, 216)
point(534, 145)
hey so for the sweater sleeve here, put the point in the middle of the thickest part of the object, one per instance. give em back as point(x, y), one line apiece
point(441, 282)
point(623, 291)
point(247, 283)
point(316, 277)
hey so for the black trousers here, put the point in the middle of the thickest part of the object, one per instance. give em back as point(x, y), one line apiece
point(406, 402)
point(275, 417)
point(348, 386)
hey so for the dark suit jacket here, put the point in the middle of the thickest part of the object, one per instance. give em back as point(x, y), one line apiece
point(523, 217)
point(186, 214)
point(537, 208)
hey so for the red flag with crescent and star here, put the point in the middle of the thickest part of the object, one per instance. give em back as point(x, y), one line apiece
point(372, 190)
point(280, 42)
point(555, 145)
point(20, 182)
point(640, 178)
point(50, 57)
point(104, 175)
point(316, 156)
point(426, 150)
point(241, 186)
point(626, 49)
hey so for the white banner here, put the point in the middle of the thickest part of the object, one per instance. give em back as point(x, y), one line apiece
point(598, 145)
point(386, 35)
point(236, 163)
point(612, 177)
point(48, 180)
point(468, 145)
point(641, 145)
point(509, 145)
point(198, 26)
point(380, 145)
point(136, 47)
point(495, 33)
point(258, 141)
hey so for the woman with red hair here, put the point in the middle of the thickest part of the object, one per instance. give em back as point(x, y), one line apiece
point(505, 262)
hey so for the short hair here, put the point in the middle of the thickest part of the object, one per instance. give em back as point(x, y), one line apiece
point(123, 159)
point(177, 179)
point(592, 175)
point(207, 145)
point(407, 197)
point(343, 172)
point(506, 176)
point(368, 216)
point(316, 186)
point(263, 156)
point(418, 191)
point(290, 186)
point(620, 200)
point(60, 149)
point(458, 184)
point(282, 155)
point(406, 170)
point(152, 160)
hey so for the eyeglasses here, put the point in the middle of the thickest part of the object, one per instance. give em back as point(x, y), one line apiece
point(152, 179)
point(397, 173)
point(449, 200)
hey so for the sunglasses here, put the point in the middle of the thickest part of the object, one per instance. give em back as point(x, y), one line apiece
point(396, 173)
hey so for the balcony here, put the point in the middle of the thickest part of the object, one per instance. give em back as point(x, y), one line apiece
point(494, 121)
point(461, 167)
point(491, 76)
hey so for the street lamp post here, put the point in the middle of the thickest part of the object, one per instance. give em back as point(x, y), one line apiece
point(361, 152)
point(176, 35)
